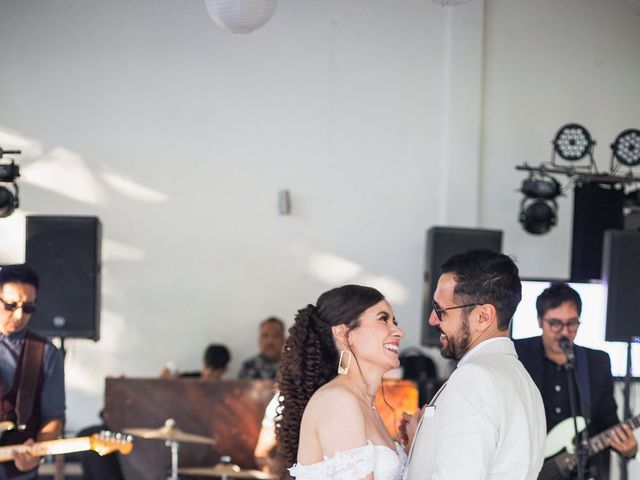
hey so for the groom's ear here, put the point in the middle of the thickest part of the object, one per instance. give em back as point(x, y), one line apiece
point(487, 316)
point(340, 334)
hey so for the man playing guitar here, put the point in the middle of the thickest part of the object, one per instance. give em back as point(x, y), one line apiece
point(559, 308)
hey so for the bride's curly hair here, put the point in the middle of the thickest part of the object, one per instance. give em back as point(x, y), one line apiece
point(310, 358)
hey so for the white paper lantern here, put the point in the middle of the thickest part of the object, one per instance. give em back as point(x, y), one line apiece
point(241, 16)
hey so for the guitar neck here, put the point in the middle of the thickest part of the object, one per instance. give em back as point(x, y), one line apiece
point(50, 447)
point(602, 441)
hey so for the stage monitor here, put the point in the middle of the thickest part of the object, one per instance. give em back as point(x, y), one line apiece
point(592, 322)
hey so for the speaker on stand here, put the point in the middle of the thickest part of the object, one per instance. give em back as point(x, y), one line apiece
point(65, 251)
point(620, 270)
point(442, 243)
point(597, 207)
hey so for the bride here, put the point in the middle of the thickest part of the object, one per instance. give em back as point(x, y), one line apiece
point(330, 371)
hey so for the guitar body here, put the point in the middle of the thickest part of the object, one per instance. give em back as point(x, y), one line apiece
point(4, 426)
point(559, 450)
point(562, 437)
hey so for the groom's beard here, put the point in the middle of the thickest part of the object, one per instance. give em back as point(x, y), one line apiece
point(458, 345)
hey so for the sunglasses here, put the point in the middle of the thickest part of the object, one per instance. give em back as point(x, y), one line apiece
point(12, 307)
point(439, 310)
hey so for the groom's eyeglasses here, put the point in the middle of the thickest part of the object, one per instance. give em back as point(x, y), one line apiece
point(439, 310)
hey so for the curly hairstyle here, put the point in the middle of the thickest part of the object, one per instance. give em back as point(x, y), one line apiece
point(310, 358)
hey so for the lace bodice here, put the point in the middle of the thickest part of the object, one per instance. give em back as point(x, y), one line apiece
point(354, 464)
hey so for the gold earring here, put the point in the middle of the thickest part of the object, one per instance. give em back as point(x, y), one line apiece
point(344, 370)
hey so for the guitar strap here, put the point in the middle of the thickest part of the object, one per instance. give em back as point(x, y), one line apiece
point(21, 404)
point(30, 369)
point(584, 382)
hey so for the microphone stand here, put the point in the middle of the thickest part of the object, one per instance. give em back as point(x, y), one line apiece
point(582, 450)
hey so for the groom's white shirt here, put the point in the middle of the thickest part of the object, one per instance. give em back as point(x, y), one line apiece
point(486, 422)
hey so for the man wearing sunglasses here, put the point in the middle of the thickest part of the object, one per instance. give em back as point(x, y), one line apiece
point(487, 421)
point(31, 373)
point(559, 307)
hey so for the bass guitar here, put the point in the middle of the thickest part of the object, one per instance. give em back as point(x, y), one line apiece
point(102, 443)
point(560, 456)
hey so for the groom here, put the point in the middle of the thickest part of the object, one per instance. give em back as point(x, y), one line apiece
point(487, 421)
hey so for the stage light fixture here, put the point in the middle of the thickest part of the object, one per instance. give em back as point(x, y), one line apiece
point(632, 198)
point(538, 209)
point(9, 171)
point(537, 216)
point(573, 142)
point(8, 201)
point(544, 187)
point(626, 147)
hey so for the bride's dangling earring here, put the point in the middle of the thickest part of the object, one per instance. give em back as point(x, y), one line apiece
point(344, 370)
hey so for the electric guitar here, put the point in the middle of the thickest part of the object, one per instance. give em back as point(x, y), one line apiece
point(102, 443)
point(561, 443)
point(4, 426)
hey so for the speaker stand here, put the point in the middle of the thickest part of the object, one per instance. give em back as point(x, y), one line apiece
point(626, 395)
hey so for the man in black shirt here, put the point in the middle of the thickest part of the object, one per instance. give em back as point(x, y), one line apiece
point(559, 308)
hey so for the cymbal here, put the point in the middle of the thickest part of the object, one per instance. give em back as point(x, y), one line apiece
point(169, 432)
point(227, 470)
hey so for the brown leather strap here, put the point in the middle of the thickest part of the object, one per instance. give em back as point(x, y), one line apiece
point(29, 377)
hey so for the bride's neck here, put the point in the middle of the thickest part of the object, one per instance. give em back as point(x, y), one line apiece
point(365, 385)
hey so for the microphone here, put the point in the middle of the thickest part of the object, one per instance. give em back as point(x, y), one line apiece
point(567, 348)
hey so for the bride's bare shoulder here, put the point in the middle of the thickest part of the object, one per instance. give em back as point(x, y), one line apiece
point(333, 397)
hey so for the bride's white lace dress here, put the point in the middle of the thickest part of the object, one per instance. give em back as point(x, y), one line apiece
point(354, 464)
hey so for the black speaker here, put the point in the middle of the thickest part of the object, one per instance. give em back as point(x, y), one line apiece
point(597, 207)
point(621, 275)
point(65, 251)
point(442, 243)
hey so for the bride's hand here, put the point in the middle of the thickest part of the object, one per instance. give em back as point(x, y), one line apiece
point(408, 426)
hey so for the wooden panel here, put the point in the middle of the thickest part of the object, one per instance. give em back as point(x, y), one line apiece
point(228, 411)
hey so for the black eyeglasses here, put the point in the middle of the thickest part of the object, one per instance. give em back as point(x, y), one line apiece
point(439, 310)
point(12, 307)
point(557, 325)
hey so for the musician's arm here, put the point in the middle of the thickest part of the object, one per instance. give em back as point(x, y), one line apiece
point(49, 431)
point(622, 439)
point(52, 407)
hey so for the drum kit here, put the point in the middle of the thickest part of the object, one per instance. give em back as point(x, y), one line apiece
point(173, 437)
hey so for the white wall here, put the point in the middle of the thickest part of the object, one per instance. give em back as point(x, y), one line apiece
point(547, 64)
point(381, 117)
point(178, 135)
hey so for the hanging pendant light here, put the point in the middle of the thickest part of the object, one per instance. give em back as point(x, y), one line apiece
point(241, 16)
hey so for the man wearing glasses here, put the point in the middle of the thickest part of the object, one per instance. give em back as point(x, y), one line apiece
point(31, 373)
point(559, 308)
point(487, 421)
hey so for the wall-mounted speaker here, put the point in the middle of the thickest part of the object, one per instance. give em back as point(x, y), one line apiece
point(621, 276)
point(65, 251)
point(442, 243)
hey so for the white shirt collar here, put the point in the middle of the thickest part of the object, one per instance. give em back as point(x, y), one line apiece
point(484, 343)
